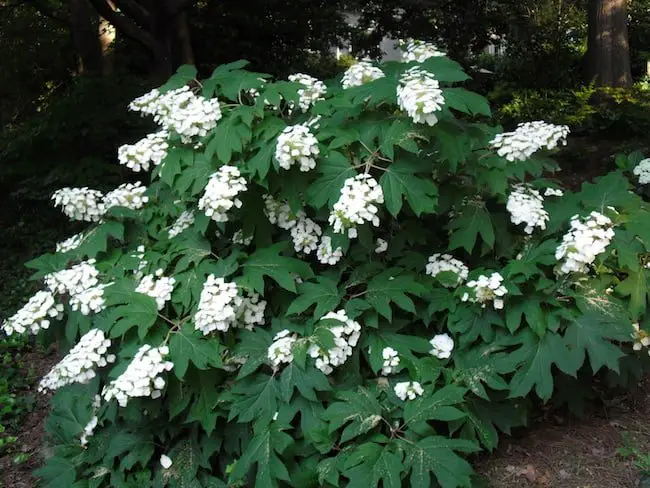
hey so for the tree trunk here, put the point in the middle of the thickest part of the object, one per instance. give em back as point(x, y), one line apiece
point(83, 27)
point(183, 52)
point(608, 54)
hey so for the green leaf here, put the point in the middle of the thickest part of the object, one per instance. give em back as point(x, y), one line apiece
point(358, 408)
point(371, 464)
point(261, 162)
point(96, 240)
point(137, 310)
point(230, 136)
point(474, 220)
point(612, 190)
point(46, 264)
point(438, 406)
point(256, 399)
point(635, 286)
point(324, 294)
point(399, 133)
point(479, 365)
point(444, 69)
point(335, 168)
point(57, 472)
point(399, 179)
point(188, 344)
point(385, 289)
point(194, 178)
point(203, 407)
point(307, 382)
point(268, 262)
point(483, 418)
point(254, 346)
point(467, 102)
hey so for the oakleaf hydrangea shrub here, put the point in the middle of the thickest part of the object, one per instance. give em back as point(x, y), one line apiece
point(351, 283)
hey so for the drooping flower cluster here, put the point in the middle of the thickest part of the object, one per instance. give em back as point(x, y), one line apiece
point(408, 390)
point(487, 289)
point(420, 96)
point(391, 361)
point(251, 311)
point(305, 234)
point(80, 203)
point(356, 205)
point(526, 206)
point(90, 300)
point(71, 243)
point(141, 377)
point(35, 315)
point(528, 138)
point(326, 254)
point(442, 346)
point(280, 213)
point(642, 170)
point(221, 193)
point(239, 238)
point(641, 338)
point(381, 246)
point(184, 221)
point(346, 336)
point(313, 90)
point(218, 305)
point(88, 431)
point(80, 364)
point(158, 287)
point(552, 192)
point(281, 350)
point(441, 263)
point(128, 195)
point(419, 51)
point(359, 74)
point(146, 152)
point(586, 239)
point(74, 280)
point(297, 145)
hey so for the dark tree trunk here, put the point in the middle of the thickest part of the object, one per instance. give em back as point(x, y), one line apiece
point(183, 52)
point(83, 27)
point(608, 54)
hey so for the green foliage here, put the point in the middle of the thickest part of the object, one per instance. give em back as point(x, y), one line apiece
point(228, 417)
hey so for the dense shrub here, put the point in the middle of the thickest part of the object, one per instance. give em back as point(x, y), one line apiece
point(352, 288)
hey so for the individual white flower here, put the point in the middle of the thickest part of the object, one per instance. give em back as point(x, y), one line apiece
point(80, 203)
point(280, 351)
point(128, 195)
point(526, 206)
point(74, 280)
point(408, 390)
point(325, 253)
point(359, 74)
point(487, 289)
point(165, 462)
point(88, 431)
point(184, 221)
point(440, 263)
point(419, 51)
point(81, 363)
point(35, 315)
point(381, 246)
point(218, 305)
point(346, 336)
point(528, 138)
point(251, 311)
point(158, 287)
point(305, 234)
point(141, 377)
point(90, 300)
point(238, 238)
point(146, 152)
point(586, 239)
point(442, 346)
point(313, 90)
point(221, 193)
point(391, 361)
point(642, 170)
point(552, 192)
point(356, 205)
point(297, 145)
point(420, 96)
point(641, 338)
point(71, 243)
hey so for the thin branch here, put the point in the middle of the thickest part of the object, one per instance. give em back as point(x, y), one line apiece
point(125, 25)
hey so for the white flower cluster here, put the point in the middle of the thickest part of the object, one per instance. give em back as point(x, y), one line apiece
point(297, 145)
point(486, 289)
point(408, 390)
point(391, 361)
point(251, 311)
point(419, 51)
point(184, 221)
point(305, 234)
point(346, 337)
point(325, 253)
point(312, 92)
point(281, 350)
point(280, 214)
point(147, 103)
point(158, 287)
point(141, 377)
point(74, 280)
point(89, 430)
point(552, 192)
point(90, 300)
point(80, 203)
point(356, 205)
point(586, 239)
point(221, 193)
point(642, 170)
point(526, 206)
point(79, 365)
point(641, 338)
point(238, 238)
point(35, 315)
point(381, 246)
point(528, 138)
point(420, 96)
point(359, 74)
point(71, 243)
point(442, 346)
point(128, 195)
point(218, 305)
point(440, 263)
point(146, 152)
